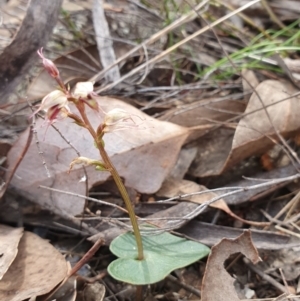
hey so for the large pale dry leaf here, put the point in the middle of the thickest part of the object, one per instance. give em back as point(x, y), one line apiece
point(205, 111)
point(175, 187)
point(201, 117)
point(9, 238)
point(213, 150)
point(36, 270)
point(185, 158)
point(143, 157)
point(254, 133)
point(217, 284)
point(210, 234)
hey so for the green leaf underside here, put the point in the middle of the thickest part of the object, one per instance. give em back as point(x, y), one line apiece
point(164, 253)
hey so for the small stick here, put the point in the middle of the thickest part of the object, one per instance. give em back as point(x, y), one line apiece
point(264, 276)
point(86, 257)
point(283, 279)
point(187, 287)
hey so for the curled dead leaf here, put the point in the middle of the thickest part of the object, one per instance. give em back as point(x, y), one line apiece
point(217, 283)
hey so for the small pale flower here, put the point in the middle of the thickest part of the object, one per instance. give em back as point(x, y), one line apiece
point(117, 119)
point(85, 91)
point(86, 161)
point(54, 103)
point(48, 65)
point(116, 115)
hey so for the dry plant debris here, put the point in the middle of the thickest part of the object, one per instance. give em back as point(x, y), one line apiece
point(9, 238)
point(172, 188)
point(271, 111)
point(36, 270)
point(217, 283)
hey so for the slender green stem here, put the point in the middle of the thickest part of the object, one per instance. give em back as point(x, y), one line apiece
point(110, 167)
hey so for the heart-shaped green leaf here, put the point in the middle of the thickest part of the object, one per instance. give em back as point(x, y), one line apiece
point(163, 254)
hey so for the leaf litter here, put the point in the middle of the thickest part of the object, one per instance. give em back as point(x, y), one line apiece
point(10, 238)
point(223, 289)
point(36, 270)
point(225, 127)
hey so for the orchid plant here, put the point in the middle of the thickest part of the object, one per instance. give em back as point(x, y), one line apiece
point(142, 259)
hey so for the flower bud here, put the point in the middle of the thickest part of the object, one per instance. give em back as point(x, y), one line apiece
point(54, 98)
point(116, 115)
point(86, 161)
point(84, 91)
point(48, 65)
point(117, 119)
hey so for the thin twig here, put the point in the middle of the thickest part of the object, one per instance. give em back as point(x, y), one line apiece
point(188, 17)
point(84, 197)
point(175, 46)
point(86, 257)
point(264, 276)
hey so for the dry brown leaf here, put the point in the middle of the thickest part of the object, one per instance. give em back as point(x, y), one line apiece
point(36, 270)
point(204, 112)
point(174, 187)
point(9, 238)
point(213, 150)
point(210, 234)
point(217, 283)
point(185, 158)
point(143, 157)
point(254, 133)
point(201, 117)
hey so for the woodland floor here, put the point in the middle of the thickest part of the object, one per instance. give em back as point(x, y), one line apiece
point(211, 148)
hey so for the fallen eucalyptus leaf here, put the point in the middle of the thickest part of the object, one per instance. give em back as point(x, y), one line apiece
point(215, 273)
point(255, 133)
point(9, 238)
point(36, 270)
point(143, 156)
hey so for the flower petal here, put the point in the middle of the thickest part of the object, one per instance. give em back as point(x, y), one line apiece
point(83, 89)
point(48, 65)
